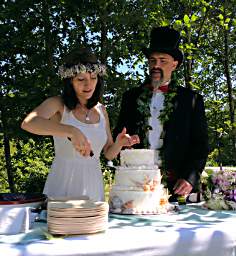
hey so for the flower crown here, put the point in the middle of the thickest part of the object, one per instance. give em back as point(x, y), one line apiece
point(65, 72)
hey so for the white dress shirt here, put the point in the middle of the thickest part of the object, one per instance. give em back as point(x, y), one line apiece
point(156, 105)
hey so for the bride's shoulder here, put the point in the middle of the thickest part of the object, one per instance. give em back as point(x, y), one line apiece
point(55, 102)
point(102, 108)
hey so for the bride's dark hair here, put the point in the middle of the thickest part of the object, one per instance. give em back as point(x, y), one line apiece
point(74, 57)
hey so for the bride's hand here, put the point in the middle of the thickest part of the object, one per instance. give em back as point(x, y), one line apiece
point(125, 140)
point(80, 142)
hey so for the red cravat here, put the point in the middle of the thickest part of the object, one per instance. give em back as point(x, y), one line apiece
point(163, 88)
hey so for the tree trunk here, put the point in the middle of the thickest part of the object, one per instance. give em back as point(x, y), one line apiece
point(7, 150)
point(48, 45)
point(47, 34)
point(229, 88)
point(103, 43)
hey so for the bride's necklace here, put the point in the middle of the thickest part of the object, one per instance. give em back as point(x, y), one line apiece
point(86, 113)
point(87, 118)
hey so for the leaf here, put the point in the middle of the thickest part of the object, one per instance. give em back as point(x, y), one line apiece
point(194, 18)
point(204, 9)
point(178, 22)
point(165, 23)
point(219, 130)
point(186, 19)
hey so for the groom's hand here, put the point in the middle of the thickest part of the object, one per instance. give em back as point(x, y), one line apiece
point(182, 187)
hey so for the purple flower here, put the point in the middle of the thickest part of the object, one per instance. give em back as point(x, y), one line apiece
point(232, 195)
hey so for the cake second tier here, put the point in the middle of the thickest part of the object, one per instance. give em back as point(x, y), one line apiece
point(142, 178)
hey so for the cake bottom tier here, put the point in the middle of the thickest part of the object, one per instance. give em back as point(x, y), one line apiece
point(137, 202)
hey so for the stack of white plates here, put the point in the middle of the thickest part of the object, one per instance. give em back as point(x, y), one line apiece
point(77, 216)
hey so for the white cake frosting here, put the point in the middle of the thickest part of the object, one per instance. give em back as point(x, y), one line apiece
point(138, 157)
point(137, 177)
point(137, 188)
point(135, 202)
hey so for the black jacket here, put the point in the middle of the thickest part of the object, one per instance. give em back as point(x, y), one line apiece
point(185, 146)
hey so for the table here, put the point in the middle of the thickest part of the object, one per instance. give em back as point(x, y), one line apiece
point(191, 232)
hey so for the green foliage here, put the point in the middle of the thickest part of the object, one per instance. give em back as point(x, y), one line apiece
point(3, 174)
point(108, 175)
point(144, 112)
point(35, 35)
point(31, 161)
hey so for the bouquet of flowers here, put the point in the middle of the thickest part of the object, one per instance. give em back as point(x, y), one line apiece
point(219, 189)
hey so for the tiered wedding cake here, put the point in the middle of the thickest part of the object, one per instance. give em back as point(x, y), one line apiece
point(138, 188)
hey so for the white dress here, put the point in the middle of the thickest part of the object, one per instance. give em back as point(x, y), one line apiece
point(73, 175)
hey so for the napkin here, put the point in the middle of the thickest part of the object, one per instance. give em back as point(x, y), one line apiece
point(14, 220)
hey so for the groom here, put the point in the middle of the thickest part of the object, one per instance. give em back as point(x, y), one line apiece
point(167, 117)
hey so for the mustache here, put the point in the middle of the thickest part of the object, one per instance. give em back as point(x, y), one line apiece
point(157, 69)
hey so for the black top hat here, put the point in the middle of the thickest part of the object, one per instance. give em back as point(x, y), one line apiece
point(165, 40)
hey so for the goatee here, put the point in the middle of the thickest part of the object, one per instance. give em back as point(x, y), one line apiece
point(157, 83)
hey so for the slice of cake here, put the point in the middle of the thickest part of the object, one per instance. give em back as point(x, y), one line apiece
point(137, 188)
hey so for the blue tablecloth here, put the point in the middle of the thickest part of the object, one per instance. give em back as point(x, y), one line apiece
point(192, 231)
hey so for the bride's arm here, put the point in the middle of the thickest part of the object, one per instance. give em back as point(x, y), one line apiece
point(42, 121)
point(45, 120)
